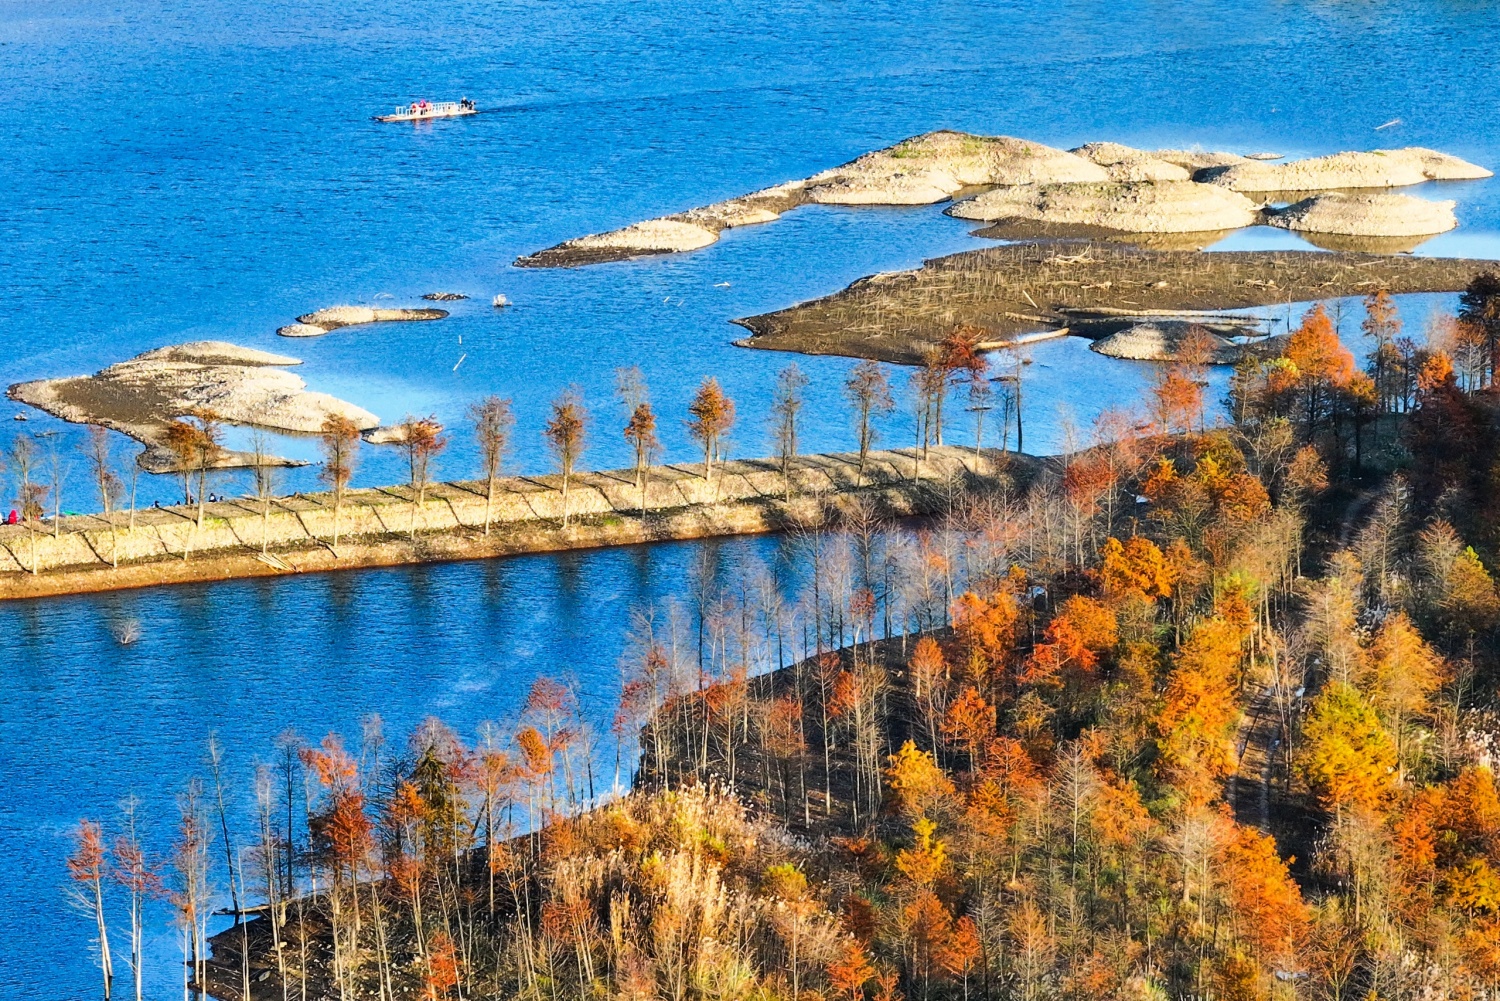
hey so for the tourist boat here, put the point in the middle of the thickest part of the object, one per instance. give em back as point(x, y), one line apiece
point(422, 110)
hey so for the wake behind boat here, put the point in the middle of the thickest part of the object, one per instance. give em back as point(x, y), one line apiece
point(420, 110)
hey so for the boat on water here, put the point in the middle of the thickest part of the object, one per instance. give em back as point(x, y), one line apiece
point(424, 109)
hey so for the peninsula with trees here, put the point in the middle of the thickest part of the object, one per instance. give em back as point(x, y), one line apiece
point(1207, 708)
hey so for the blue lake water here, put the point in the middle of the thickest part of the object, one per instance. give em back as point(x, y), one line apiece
point(181, 170)
point(87, 720)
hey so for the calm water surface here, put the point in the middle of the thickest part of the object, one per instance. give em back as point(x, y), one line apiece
point(86, 720)
point(208, 170)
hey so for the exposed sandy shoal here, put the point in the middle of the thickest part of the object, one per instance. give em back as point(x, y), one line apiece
point(332, 318)
point(1123, 163)
point(917, 171)
point(1164, 340)
point(688, 230)
point(1382, 168)
point(1016, 289)
point(302, 330)
point(1195, 160)
point(141, 395)
point(1377, 214)
point(1133, 207)
point(936, 166)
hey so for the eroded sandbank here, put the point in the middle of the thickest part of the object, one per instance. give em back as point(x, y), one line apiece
point(1103, 184)
point(1367, 214)
point(922, 170)
point(141, 396)
point(1380, 168)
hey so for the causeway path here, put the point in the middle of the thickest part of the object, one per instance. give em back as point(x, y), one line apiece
point(386, 526)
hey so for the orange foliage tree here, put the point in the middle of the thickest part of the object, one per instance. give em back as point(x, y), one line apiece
point(970, 723)
point(712, 415)
point(985, 628)
point(1178, 401)
point(1136, 566)
point(1315, 349)
point(1083, 629)
point(442, 967)
point(851, 971)
point(1266, 905)
point(88, 867)
point(1199, 712)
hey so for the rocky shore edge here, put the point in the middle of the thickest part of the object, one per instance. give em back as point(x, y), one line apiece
point(386, 527)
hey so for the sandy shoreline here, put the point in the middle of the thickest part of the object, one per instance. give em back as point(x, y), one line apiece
point(375, 525)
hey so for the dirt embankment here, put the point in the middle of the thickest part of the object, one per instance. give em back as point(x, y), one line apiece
point(1025, 287)
point(385, 526)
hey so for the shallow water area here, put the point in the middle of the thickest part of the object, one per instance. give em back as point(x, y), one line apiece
point(209, 170)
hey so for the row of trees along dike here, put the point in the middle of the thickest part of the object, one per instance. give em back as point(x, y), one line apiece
point(954, 369)
point(1207, 713)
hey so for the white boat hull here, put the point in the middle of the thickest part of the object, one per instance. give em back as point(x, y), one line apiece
point(444, 110)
